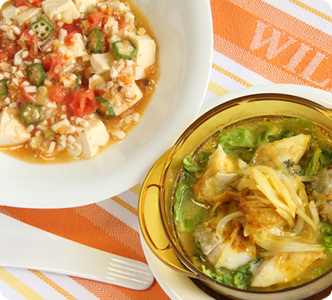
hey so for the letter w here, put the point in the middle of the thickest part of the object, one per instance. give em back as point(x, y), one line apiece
point(273, 49)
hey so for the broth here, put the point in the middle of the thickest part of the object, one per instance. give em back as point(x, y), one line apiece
point(233, 229)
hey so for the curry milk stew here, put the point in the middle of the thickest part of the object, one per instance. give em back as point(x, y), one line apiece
point(75, 76)
point(252, 206)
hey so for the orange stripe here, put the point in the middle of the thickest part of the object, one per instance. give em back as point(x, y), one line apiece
point(233, 37)
point(254, 63)
point(90, 225)
point(288, 23)
point(125, 241)
point(52, 284)
point(125, 205)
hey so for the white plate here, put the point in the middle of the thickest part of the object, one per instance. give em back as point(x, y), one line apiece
point(180, 287)
point(184, 36)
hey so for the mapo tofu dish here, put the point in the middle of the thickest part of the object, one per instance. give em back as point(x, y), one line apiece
point(253, 205)
point(75, 76)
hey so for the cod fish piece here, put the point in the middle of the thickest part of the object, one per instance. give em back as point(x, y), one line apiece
point(220, 173)
point(234, 253)
point(283, 268)
point(206, 237)
point(287, 150)
point(323, 185)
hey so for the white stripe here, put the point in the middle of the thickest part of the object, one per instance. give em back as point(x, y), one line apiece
point(130, 197)
point(36, 284)
point(225, 81)
point(120, 212)
point(9, 293)
point(305, 15)
point(70, 286)
point(209, 96)
point(238, 70)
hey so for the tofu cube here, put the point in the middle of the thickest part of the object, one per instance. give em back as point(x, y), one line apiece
point(127, 98)
point(76, 47)
point(27, 15)
point(12, 132)
point(54, 7)
point(96, 82)
point(145, 53)
point(92, 137)
point(83, 5)
point(9, 12)
point(101, 62)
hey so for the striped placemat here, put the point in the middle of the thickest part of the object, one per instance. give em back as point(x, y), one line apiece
point(256, 42)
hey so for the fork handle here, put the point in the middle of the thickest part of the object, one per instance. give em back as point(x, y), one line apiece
point(25, 246)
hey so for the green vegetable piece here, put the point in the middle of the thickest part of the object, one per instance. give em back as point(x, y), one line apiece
point(219, 276)
point(203, 157)
point(31, 113)
point(3, 87)
point(287, 134)
point(95, 41)
point(78, 81)
point(313, 165)
point(237, 138)
point(124, 49)
point(190, 224)
point(327, 243)
point(325, 228)
point(269, 135)
point(42, 29)
point(36, 74)
point(241, 280)
point(242, 275)
point(325, 157)
point(180, 190)
point(105, 108)
point(183, 194)
point(189, 165)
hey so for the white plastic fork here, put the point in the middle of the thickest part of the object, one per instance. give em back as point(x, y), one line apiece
point(25, 246)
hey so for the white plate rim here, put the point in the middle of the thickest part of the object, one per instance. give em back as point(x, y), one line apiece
point(67, 194)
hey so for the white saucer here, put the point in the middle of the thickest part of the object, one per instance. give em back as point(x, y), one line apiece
point(180, 287)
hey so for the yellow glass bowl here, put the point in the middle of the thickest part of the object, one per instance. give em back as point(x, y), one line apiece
point(156, 198)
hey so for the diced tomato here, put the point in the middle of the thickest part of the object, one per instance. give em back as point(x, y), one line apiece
point(30, 40)
point(81, 103)
point(57, 93)
point(19, 3)
point(120, 19)
point(94, 20)
point(8, 52)
point(56, 61)
point(25, 98)
point(74, 26)
point(46, 63)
